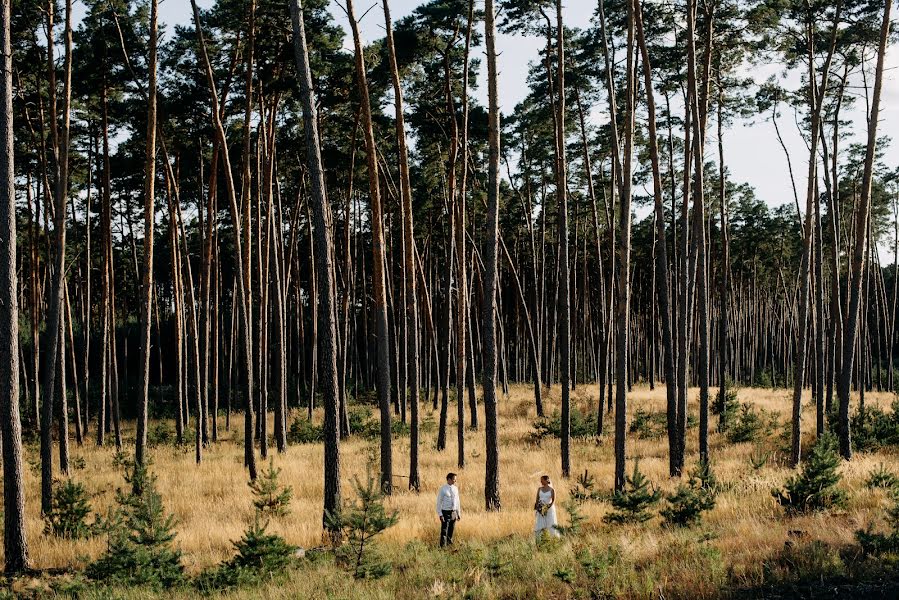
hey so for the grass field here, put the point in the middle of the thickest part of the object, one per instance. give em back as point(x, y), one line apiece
point(739, 544)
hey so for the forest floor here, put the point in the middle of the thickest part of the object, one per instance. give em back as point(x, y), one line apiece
point(745, 545)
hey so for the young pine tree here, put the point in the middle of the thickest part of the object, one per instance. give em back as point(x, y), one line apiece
point(359, 523)
point(817, 486)
point(270, 498)
point(633, 502)
point(140, 549)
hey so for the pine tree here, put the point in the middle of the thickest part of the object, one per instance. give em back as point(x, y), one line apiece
point(633, 502)
point(270, 498)
point(816, 487)
point(686, 505)
point(70, 507)
point(140, 549)
point(359, 523)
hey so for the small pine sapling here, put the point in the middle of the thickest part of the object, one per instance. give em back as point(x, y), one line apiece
point(360, 522)
point(817, 486)
point(686, 505)
point(270, 498)
point(883, 478)
point(632, 504)
point(873, 543)
point(140, 549)
point(585, 488)
point(69, 511)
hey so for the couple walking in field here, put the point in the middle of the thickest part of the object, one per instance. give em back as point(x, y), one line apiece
point(449, 509)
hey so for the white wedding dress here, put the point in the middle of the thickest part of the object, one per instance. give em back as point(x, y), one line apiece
point(546, 522)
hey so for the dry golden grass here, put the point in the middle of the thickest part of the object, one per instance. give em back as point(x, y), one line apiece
point(212, 503)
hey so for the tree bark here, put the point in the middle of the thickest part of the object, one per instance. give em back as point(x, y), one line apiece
point(378, 275)
point(15, 542)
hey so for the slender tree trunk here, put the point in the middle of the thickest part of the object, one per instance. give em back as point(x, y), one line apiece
point(242, 273)
point(564, 324)
point(491, 481)
point(15, 542)
point(411, 307)
point(857, 258)
point(54, 310)
point(378, 275)
point(661, 265)
point(149, 223)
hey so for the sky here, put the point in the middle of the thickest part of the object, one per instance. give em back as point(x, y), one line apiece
point(752, 151)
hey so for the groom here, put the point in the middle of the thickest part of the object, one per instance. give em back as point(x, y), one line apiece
point(448, 509)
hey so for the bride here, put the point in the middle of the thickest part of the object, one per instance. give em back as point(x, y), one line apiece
point(545, 509)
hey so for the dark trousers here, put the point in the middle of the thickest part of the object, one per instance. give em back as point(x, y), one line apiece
point(447, 524)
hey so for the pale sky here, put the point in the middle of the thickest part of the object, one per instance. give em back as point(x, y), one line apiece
point(752, 151)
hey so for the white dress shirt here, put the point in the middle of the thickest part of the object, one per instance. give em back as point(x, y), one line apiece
point(448, 499)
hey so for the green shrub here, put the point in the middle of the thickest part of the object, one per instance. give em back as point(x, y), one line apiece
point(632, 504)
point(304, 431)
point(874, 428)
point(259, 555)
point(368, 427)
point(686, 505)
point(69, 510)
point(881, 477)
point(160, 434)
point(649, 425)
point(584, 488)
point(582, 426)
point(730, 407)
point(576, 519)
point(817, 486)
point(746, 426)
point(139, 547)
point(270, 498)
point(359, 523)
point(758, 460)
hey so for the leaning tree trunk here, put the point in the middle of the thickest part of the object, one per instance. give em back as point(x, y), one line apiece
point(622, 340)
point(15, 543)
point(378, 266)
point(242, 274)
point(661, 244)
point(409, 245)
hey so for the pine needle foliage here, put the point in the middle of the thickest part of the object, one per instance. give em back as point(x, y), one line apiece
point(817, 486)
point(633, 503)
point(875, 543)
point(69, 512)
point(359, 523)
point(686, 505)
point(140, 549)
point(883, 478)
point(270, 498)
point(260, 555)
point(584, 488)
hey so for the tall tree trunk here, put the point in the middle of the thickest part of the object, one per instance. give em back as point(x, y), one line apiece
point(624, 262)
point(242, 273)
point(54, 310)
point(149, 223)
point(857, 259)
point(15, 542)
point(661, 265)
point(491, 481)
point(378, 266)
point(564, 324)
point(411, 308)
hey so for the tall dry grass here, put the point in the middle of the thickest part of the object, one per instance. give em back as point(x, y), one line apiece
point(212, 502)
